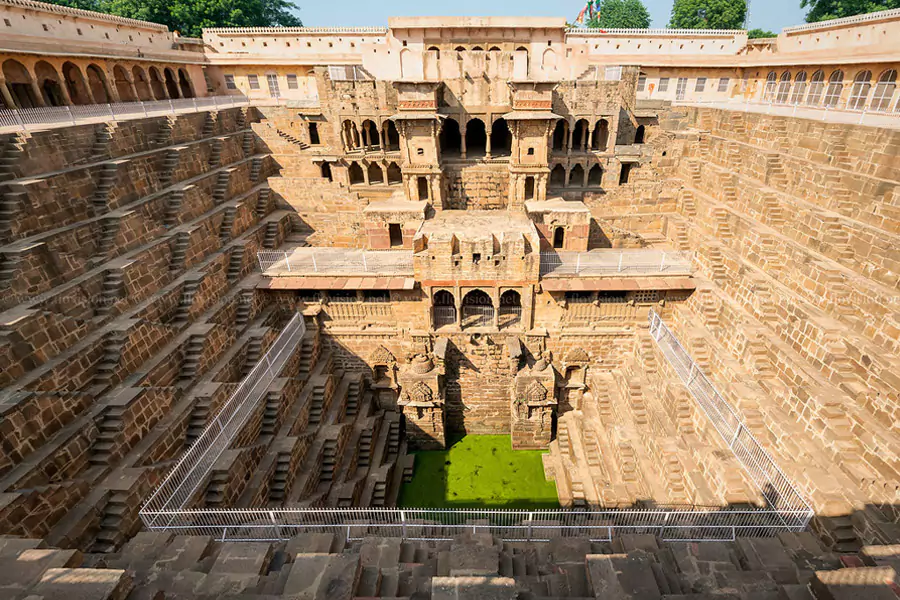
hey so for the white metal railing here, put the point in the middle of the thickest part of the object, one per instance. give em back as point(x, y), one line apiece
point(183, 481)
point(49, 117)
point(612, 262)
point(781, 495)
point(675, 524)
point(843, 114)
point(338, 261)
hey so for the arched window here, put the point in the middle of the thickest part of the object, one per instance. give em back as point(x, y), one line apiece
point(97, 82)
point(595, 176)
point(18, 80)
point(123, 84)
point(769, 93)
point(141, 85)
point(639, 135)
point(558, 176)
point(816, 87)
point(493, 49)
point(376, 175)
point(356, 174)
point(75, 84)
point(436, 50)
point(859, 93)
point(510, 314)
point(784, 88)
point(156, 84)
point(450, 139)
point(799, 88)
point(370, 135)
point(500, 138)
point(50, 83)
point(444, 309)
point(834, 89)
point(576, 176)
point(184, 83)
point(580, 135)
point(559, 135)
point(351, 134)
point(477, 309)
point(559, 238)
point(476, 138)
point(548, 60)
point(171, 83)
point(884, 90)
point(601, 135)
point(477, 49)
point(394, 174)
point(460, 49)
point(392, 141)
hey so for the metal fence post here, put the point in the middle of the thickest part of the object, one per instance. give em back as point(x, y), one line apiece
point(403, 523)
point(365, 266)
point(578, 264)
point(621, 256)
point(315, 268)
point(287, 261)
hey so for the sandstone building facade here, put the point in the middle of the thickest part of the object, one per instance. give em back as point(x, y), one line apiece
point(482, 223)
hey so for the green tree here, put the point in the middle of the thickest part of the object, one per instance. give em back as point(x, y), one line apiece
point(822, 10)
point(189, 17)
point(757, 33)
point(620, 14)
point(708, 14)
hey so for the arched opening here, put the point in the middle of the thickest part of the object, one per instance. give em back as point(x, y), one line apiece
point(859, 93)
point(769, 92)
point(558, 176)
point(834, 89)
point(639, 135)
point(450, 138)
point(799, 88)
point(18, 80)
point(493, 49)
point(477, 49)
point(156, 84)
point(784, 88)
point(392, 137)
point(476, 138)
point(559, 238)
point(444, 309)
point(529, 188)
point(75, 84)
point(371, 138)
point(548, 60)
point(376, 175)
point(559, 135)
point(97, 82)
point(325, 170)
point(477, 309)
point(356, 174)
point(141, 85)
point(123, 84)
point(459, 49)
point(184, 84)
point(524, 50)
point(595, 176)
point(510, 314)
point(49, 81)
point(601, 136)
point(351, 134)
point(171, 84)
point(436, 51)
point(576, 176)
point(500, 138)
point(884, 90)
point(580, 135)
point(394, 174)
point(422, 188)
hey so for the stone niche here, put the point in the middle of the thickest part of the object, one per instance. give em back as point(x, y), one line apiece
point(422, 402)
point(384, 378)
point(532, 405)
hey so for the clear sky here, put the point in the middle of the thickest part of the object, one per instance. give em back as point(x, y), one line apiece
point(765, 14)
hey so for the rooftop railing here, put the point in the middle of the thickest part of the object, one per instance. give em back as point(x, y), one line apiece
point(888, 118)
point(615, 262)
point(50, 117)
point(335, 261)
